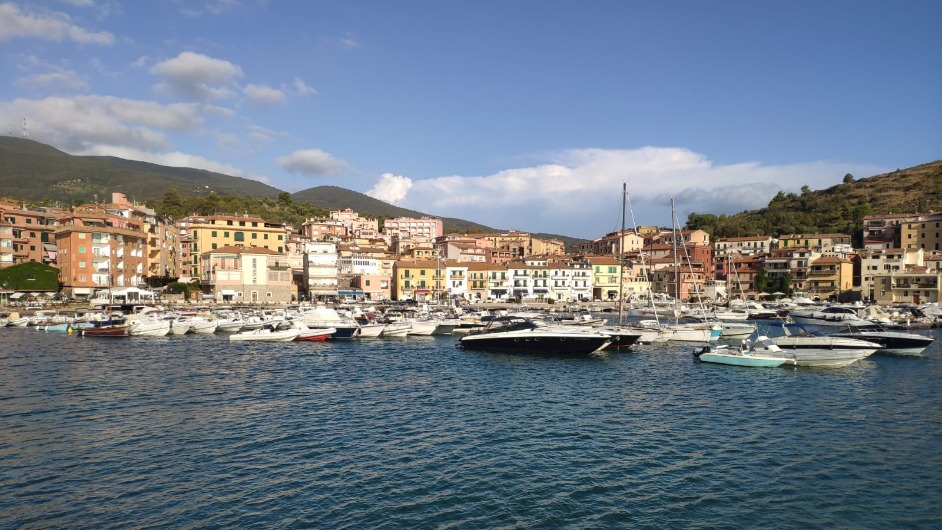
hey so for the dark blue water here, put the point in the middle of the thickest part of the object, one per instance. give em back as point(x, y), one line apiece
point(195, 432)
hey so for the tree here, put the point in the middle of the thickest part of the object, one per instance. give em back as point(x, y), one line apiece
point(848, 179)
point(284, 199)
point(762, 280)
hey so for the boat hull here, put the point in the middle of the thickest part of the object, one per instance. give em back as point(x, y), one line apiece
point(536, 344)
point(738, 359)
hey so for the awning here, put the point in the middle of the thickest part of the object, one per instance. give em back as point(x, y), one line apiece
point(17, 296)
point(541, 291)
point(498, 291)
point(521, 291)
point(228, 292)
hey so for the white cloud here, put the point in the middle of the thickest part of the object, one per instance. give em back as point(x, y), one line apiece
point(312, 162)
point(302, 88)
point(264, 94)
point(56, 27)
point(77, 124)
point(197, 76)
point(391, 188)
point(577, 192)
point(68, 79)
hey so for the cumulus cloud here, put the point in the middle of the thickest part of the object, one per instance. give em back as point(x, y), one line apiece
point(67, 79)
point(577, 192)
point(197, 76)
point(56, 27)
point(312, 162)
point(264, 94)
point(391, 188)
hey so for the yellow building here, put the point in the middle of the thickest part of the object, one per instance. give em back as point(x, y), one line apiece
point(815, 242)
point(924, 232)
point(200, 234)
point(830, 275)
point(606, 274)
point(418, 280)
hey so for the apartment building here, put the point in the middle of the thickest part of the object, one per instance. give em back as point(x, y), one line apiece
point(247, 275)
point(97, 251)
point(199, 234)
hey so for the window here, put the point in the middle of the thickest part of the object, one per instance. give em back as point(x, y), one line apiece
point(81, 264)
point(241, 223)
point(367, 283)
point(254, 235)
point(214, 246)
point(225, 234)
point(81, 249)
point(239, 236)
point(214, 233)
point(266, 236)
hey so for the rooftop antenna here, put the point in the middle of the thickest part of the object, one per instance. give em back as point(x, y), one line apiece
point(25, 132)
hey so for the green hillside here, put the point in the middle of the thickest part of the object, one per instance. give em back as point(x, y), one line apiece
point(36, 172)
point(838, 209)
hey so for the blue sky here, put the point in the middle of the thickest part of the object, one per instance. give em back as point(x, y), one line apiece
point(518, 114)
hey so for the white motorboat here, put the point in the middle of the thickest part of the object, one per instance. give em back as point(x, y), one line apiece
point(266, 334)
point(832, 316)
point(396, 329)
point(148, 323)
point(812, 357)
point(202, 325)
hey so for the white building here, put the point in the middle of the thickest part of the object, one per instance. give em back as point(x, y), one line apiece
point(320, 269)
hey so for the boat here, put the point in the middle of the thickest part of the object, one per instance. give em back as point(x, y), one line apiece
point(396, 329)
point(724, 354)
point(150, 322)
point(832, 316)
point(266, 334)
point(803, 340)
point(117, 330)
point(202, 325)
point(371, 329)
point(307, 334)
point(811, 357)
point(325, 317)
point(519, 334)
point(896, 342)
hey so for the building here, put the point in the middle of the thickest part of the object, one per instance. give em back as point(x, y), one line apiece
point(418, 280)
point(922, 232)
point(321, 274)
point(200, 234)
point(830, 276)
point(96, 251)
point(820, 243)
point(31, 234)
point(407, 227)
point(246, 275)
point(743, 246)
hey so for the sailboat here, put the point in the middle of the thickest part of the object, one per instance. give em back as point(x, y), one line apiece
point(623, 336)
point(677, 331)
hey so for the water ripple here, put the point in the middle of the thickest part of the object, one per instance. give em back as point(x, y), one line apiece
point(194, 431)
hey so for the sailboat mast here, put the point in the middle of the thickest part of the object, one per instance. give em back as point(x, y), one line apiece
point(676, 269)
point(621, 251)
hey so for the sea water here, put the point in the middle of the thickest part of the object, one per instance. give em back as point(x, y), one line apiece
point(198, 432)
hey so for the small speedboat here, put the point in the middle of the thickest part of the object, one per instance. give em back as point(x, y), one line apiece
point(307, 334)
point(266, 334)
point(724, 354)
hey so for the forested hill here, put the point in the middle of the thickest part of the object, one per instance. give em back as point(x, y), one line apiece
point(838, 209)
